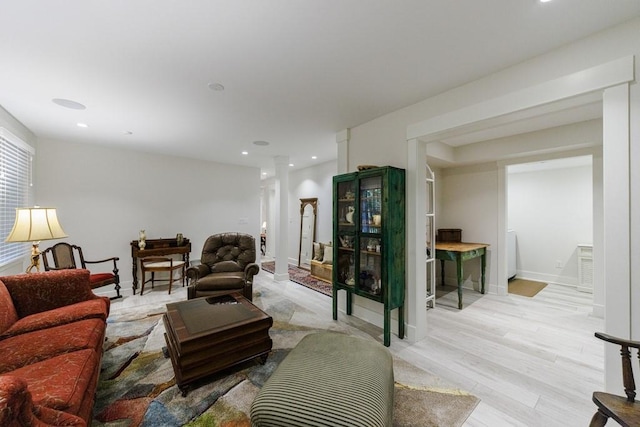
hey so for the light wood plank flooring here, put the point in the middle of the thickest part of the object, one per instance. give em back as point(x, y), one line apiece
point(531, 361)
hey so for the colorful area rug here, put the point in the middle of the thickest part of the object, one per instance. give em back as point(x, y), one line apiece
point(525, 288)
point(301, 277)
point(137, 386)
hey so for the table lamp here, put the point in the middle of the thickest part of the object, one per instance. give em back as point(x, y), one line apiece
point(33, 225)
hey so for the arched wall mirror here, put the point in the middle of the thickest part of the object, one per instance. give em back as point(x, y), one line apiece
point(308, 214)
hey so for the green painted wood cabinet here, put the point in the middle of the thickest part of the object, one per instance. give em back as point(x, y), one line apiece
point(369, 240)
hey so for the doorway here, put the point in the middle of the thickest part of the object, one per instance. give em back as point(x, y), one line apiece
point(550, 205)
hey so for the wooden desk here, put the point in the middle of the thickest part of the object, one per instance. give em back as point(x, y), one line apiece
point(460, 252)
point(157, 247)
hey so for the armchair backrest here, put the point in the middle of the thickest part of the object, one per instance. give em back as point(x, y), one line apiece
point(63, 257)
point(237, 247)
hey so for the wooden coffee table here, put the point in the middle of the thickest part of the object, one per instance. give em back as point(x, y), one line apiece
point(207, 335)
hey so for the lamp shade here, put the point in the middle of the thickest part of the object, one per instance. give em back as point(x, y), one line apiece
point(35, 224)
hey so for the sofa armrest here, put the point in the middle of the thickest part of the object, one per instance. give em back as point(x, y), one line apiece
point(17, 408)
point(37, 292)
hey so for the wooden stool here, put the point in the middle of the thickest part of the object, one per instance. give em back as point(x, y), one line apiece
point(158, 264)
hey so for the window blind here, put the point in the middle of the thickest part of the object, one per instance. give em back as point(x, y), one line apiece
point(15, 191)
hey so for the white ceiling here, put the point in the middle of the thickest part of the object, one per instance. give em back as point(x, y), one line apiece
point(295, 72)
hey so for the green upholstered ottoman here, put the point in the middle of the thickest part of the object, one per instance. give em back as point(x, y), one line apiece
point(328, 380)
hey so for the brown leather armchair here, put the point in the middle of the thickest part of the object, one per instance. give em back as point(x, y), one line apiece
point(227, 265)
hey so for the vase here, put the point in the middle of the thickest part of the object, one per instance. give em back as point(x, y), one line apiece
point(142, 239)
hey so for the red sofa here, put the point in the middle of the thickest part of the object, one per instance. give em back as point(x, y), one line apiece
point(52, 328)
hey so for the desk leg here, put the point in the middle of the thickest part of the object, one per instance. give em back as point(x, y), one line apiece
point(335, 303)
point(459, 273)
point(135, 274)
point(483, 264)
point(442, 271)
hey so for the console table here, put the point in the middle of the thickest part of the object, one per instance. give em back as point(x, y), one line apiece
point(158, 247)
point(460, 252)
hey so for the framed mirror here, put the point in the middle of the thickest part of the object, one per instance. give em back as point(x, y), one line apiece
point(308, 214)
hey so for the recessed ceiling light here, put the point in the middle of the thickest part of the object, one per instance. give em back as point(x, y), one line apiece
point(216, 86)
point(82, 125)
point(67, 103)
point(244, 153)
point(544, 1)
point(291, 164)
point(314, 157)
point(264, 173)
point(261, 143)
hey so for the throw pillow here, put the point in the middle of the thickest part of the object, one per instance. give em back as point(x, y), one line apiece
point(328, 255)
point(318, 251)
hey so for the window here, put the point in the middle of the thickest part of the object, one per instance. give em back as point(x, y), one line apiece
point(15, 191)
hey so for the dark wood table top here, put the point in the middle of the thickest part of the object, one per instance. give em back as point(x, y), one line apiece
point(192, 319)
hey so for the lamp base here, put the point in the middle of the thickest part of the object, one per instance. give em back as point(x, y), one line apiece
point(35, 258)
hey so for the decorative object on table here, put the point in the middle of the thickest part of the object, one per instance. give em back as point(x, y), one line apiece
point(63, 256)
point(142, 240)
point(179, 239)
point(33, 225)
point(449, 235)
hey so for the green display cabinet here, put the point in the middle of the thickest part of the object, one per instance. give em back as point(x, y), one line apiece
point(369, 240)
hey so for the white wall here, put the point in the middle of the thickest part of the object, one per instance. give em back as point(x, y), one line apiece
point(104, 196)
point(551, 212)
point(469, 201)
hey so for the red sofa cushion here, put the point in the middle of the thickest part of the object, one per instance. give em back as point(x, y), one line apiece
point(8, 314)
point(22, 412)
point(25, 349)
point(37, 292)
point(63, 381)
point(95, 308)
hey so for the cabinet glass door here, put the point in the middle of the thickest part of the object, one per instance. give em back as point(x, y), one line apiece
point(371, 205)
point(370, 248)
point(347, 219)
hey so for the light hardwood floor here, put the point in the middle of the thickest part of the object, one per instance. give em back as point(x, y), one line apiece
point(531, 361)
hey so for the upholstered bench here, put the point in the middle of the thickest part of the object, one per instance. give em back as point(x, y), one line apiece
point(328, 380)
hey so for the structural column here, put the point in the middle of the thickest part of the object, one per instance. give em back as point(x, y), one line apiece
point(342, 139)
point(282, 219)
point(416, 193)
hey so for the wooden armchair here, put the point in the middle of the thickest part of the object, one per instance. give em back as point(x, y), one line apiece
point(64, 255)
point(625, 410)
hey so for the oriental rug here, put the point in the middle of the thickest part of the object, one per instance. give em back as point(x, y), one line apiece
point(301, 277)
point(137, 386)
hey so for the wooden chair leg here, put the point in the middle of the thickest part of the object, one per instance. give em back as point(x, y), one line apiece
point(170, 280)
point(142, 288)
point(599, 419)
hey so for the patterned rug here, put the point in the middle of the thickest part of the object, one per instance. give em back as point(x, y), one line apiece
point(301, 277)
point(137, 386)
